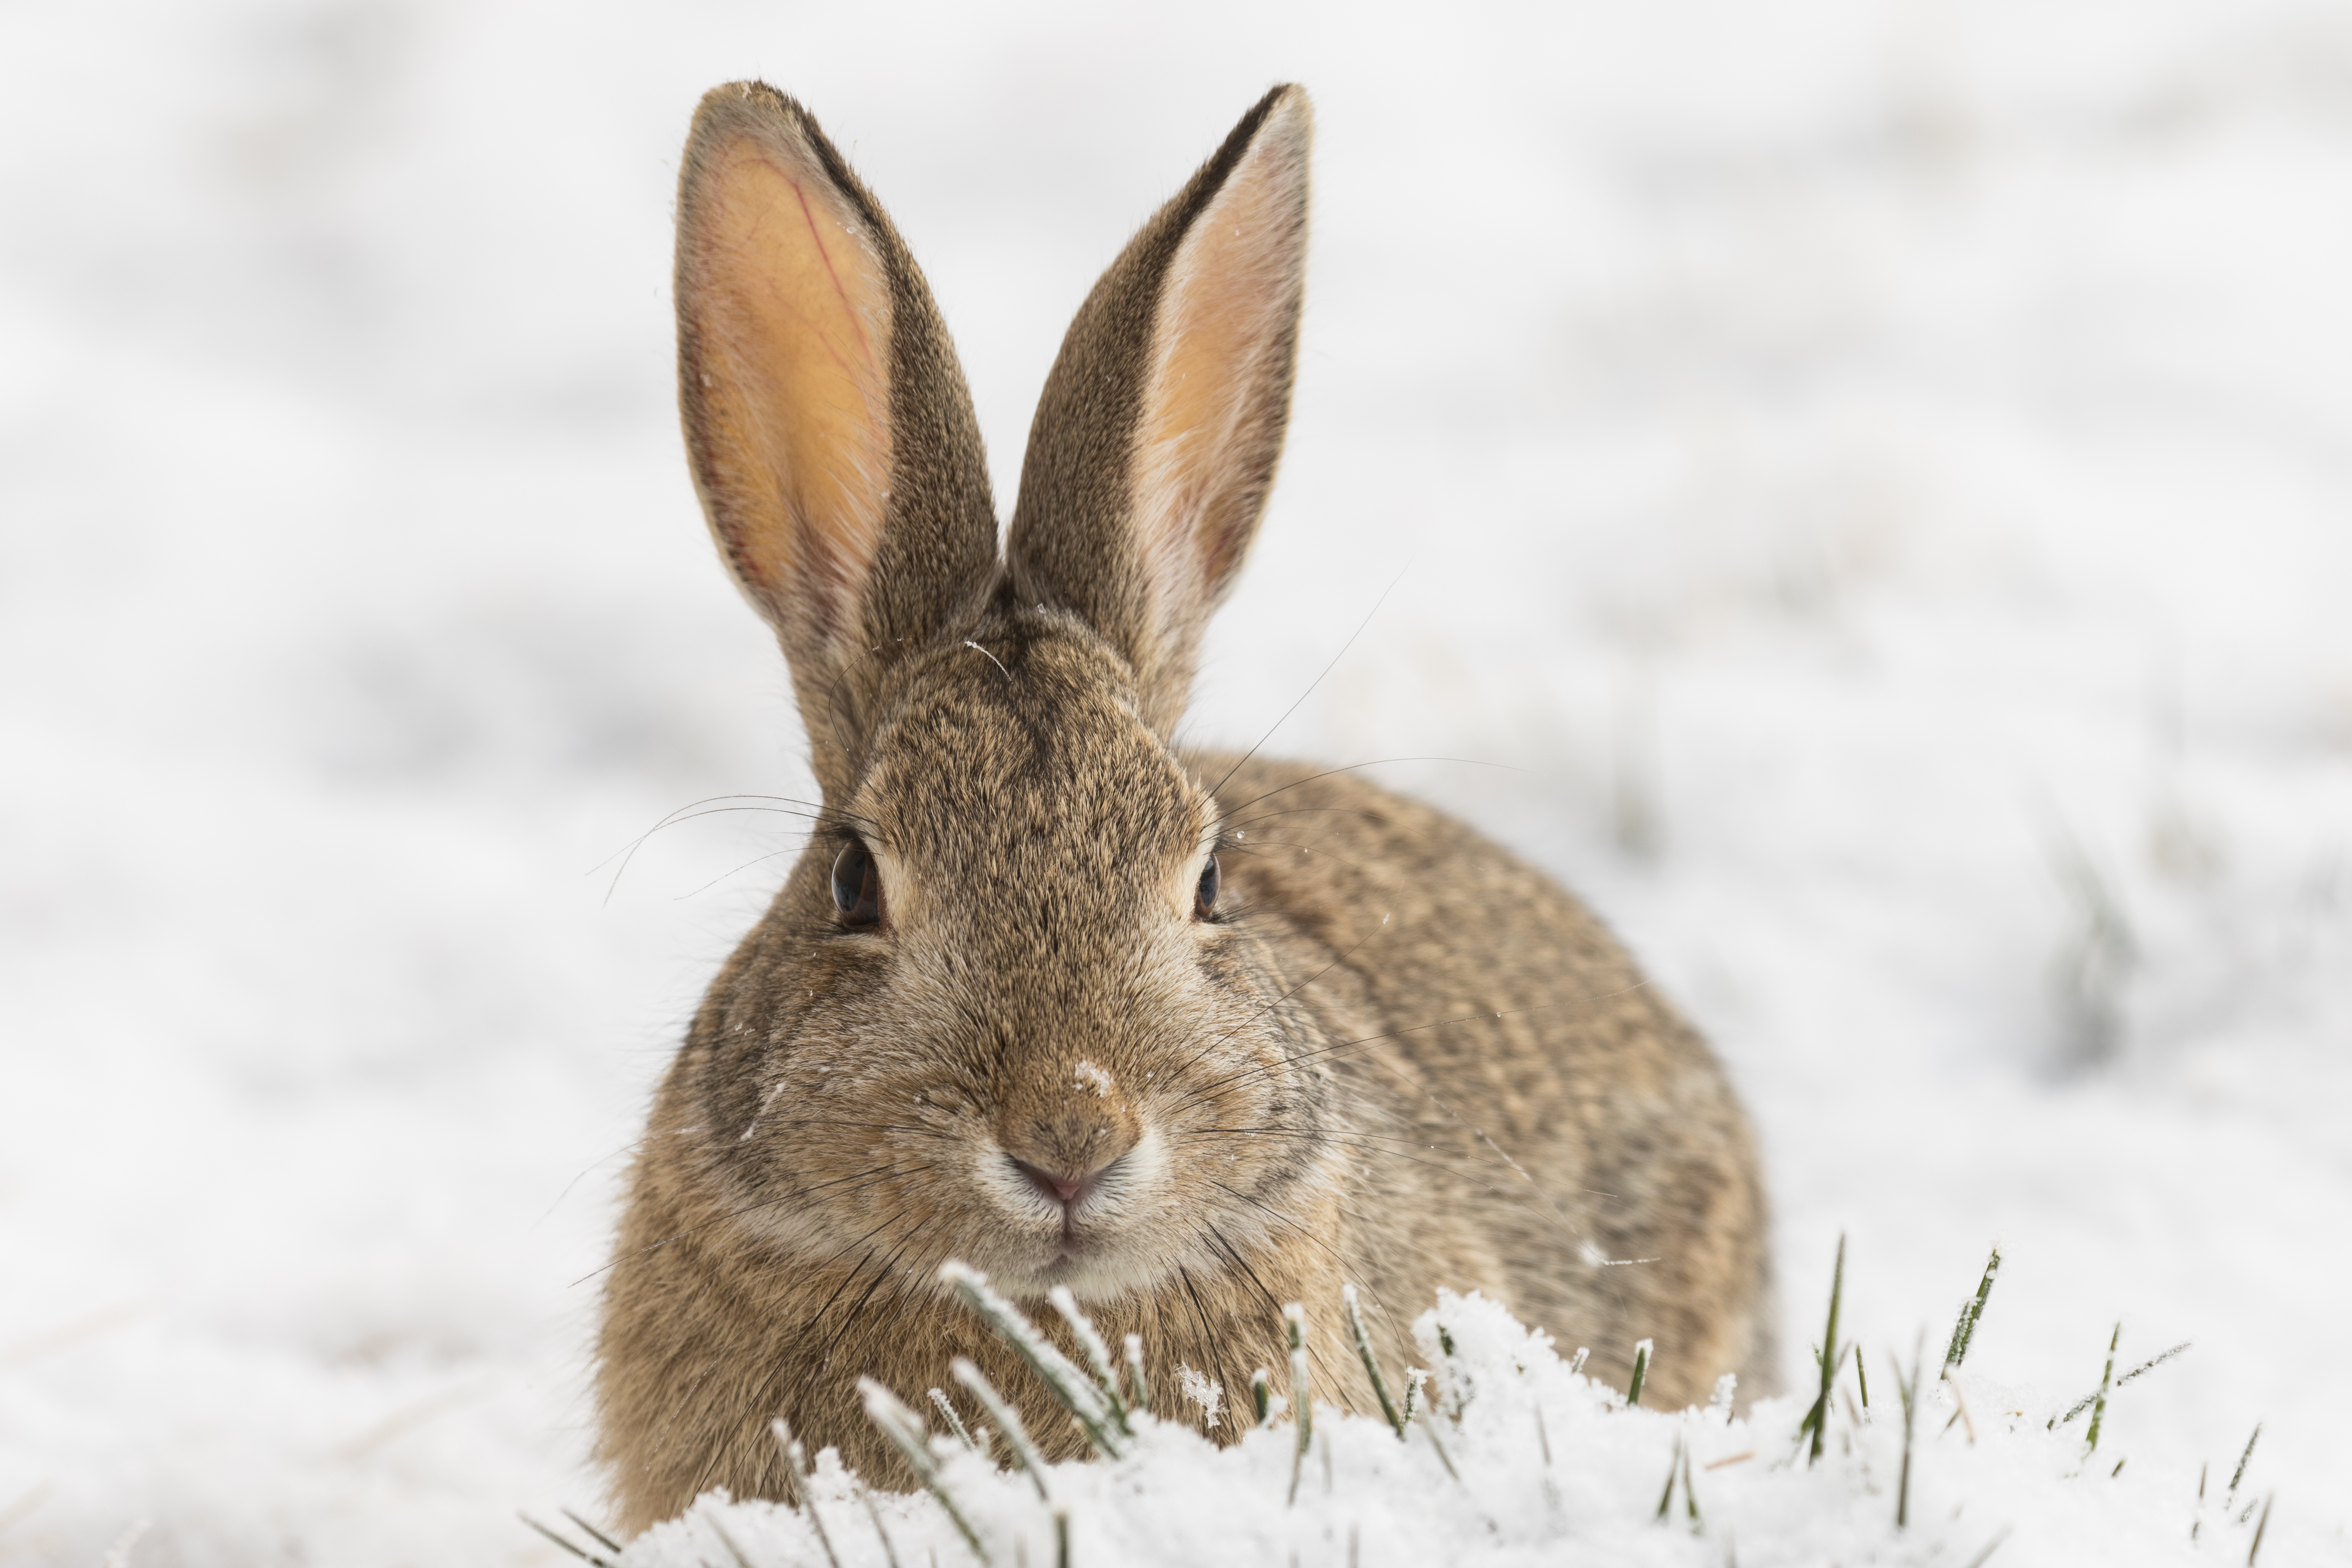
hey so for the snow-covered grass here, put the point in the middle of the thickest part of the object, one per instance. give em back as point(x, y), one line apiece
point(1878, 477)
point(1515, 1456)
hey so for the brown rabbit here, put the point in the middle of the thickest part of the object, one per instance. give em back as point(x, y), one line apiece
point(1193, 1036)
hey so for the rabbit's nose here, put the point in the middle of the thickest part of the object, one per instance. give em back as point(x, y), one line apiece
point(1063, 1149)
point(1064, 1188)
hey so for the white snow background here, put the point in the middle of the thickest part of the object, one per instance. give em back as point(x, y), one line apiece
point(1878, 475)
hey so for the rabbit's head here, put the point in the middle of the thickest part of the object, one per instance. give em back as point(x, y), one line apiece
point(1002, 1008)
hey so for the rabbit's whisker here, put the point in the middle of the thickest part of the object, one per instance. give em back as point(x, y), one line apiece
point(755, 860)
point(1260, 847)
point(872, 1126)
point(849, 1317)
point(1312, 685)
point(1299, 811)
point(1203, 1054)
point(1212, 1345)
point(1347, 1269)
point(1273, 1302)
point(879, 1172)
point(1247, 1073)
point(1374, 763)
point(1464, 1173)
point(688, 813)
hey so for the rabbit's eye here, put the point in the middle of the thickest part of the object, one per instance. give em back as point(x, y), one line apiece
point(857, 885)
point(1204, 896)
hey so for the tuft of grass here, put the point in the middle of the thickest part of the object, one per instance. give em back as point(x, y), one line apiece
point(574, 1547)
point(595, 1534)
point(1102, 1396)
point(912, 1439)
point(2152, 1363)
point(1371, 1362)
point(1909, 1390)
point(2238, 1476)
point(1097, 1355)
point(796, 1457)
point(940, 1402)
point(1679, 1468)
point(873, 1512)
point(1008, 1421)
point(1817, 1419)
point(1640, 1373)
point(1302, 1403)
point(2106, 1380)
point(1971, 1313)
point(1076, 1391)
point(1140, 1384)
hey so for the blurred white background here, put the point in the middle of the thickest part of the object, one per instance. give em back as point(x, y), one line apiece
point(1878, 476)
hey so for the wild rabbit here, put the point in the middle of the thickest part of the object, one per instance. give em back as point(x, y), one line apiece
point(1194, 1035)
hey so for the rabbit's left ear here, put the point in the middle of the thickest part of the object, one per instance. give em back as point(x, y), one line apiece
point(1156, 440)
point(830, 433)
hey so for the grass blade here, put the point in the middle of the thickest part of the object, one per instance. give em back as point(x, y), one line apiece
point(2106, 1382)
point(1067, 1383)
point(1097, 1355)
point(1371, 1362)
point(1302, 1403)
point(797, 1458)
point(1971, 1311)
point(1134, 1374)
point(908, 1435)
point(1008, 1421)
point(1817, 1419)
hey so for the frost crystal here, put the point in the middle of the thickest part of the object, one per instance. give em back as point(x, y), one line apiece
point(1206, 1393)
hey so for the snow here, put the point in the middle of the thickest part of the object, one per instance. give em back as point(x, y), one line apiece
point(1872, 485)
point(1536, 1464)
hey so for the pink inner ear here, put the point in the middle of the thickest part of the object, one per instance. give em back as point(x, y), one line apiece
point(789, 305)
point(1217, 397)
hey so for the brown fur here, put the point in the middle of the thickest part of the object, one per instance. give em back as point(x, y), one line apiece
point(1396, 1056)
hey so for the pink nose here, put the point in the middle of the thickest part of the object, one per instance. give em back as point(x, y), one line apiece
point(1063, 1186)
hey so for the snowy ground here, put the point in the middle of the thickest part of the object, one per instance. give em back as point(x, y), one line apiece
point(1880, 477)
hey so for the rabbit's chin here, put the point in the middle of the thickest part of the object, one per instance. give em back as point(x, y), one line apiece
point(1095, 1272)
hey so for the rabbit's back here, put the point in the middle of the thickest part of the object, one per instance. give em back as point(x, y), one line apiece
point(1527, 1115)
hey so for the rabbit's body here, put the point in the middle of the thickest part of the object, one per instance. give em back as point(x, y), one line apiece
point(1193, 1036)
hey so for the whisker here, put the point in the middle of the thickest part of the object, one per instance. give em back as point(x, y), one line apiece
point(878, 1172)
point(1369, 1140)
point(789, 807)
point(755, 860)
point(1451, 1170)
point(1374, 763)
point(1280, 1218)
point(1247, 1073)
point(1301, 811)
point(1259, 848)
point(1328, 668)
point(1277, 1002)
point(850, 1317)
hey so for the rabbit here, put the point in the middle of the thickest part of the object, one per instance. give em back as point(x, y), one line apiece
point(1194, 1035)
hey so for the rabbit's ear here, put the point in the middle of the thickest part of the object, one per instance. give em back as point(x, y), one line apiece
point(830, 431)
point(1155, 443)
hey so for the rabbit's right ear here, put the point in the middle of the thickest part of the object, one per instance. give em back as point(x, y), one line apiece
point(1155, 443)
point(830, 432)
